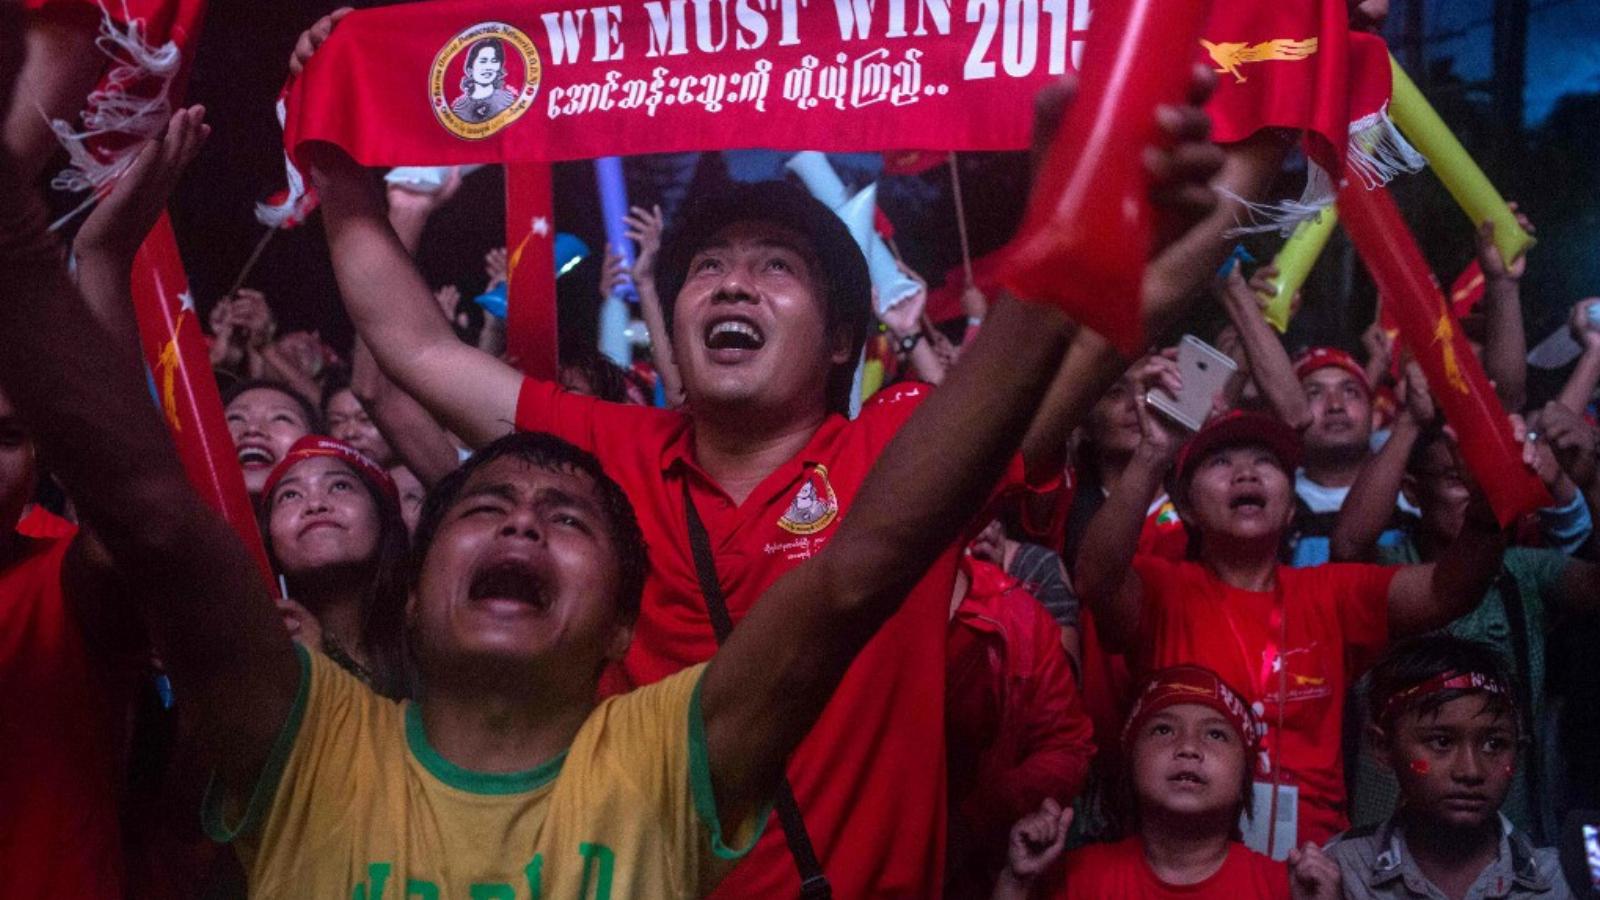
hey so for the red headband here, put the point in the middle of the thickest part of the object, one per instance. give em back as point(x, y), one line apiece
point(1181, 685)
point(1449, 681)
point(313, 445)
point(1330, 358)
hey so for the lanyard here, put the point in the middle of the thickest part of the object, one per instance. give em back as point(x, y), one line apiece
point(1259, 669)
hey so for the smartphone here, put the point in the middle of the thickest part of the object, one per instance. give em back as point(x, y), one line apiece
point(1205, 371)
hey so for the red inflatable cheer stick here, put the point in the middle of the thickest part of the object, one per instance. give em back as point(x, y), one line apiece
point(1433, 336)
point(1089, 226)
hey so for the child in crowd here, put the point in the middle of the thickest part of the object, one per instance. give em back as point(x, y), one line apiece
point(1446, 722)
point(1191, 742)
point(1293, 638)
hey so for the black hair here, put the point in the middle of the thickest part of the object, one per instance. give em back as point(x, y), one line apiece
point(335, 382)
point(547, 452)
point(492, 43)
point(312, 417)
point(383, 594)
point(833, 259)
point(607, 380)
point(1414, 661)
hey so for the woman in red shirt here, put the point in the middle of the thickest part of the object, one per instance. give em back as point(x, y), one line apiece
point(1293, 639)
point(1190, 740)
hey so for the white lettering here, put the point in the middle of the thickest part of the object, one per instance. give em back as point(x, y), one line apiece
point(566, 33)
point(607, 36)
point(854, 16)
point(666, 29)
point(752, 26)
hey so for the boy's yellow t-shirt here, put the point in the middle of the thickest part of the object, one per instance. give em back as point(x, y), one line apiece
point(355, 804)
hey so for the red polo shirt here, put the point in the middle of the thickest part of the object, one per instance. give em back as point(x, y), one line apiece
point(871, 792)
point(1330, 620)
point(58, 758)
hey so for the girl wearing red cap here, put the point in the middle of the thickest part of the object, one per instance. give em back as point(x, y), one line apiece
point(1191, 742)
point(1291, 638)
point(334, 533)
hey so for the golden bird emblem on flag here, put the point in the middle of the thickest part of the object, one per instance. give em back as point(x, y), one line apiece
point(1445, 333)
point(1231, 55)
point(167, 365)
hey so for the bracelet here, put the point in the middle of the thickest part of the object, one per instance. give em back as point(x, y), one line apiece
point(905, 345)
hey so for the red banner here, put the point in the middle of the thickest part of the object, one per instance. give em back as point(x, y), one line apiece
point(1434, 339)
point(484, 81)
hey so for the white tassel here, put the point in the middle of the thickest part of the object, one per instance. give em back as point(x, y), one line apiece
point(1377, 153)
point(294, 204)
point(135, 103)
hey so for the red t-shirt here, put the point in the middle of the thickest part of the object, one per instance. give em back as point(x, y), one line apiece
point(1334, 616)
point(872, 794)
point(58, 774)
point(1120, 870)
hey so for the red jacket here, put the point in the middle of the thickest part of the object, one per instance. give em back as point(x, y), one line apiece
point(1015, 723)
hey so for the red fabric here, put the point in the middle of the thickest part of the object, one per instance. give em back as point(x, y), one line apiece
point(1434, 338)
point(927, 86)
point(58, 760)
point(1120, 870)
point(1090, 225)
point(1017, 730)
point(1265, 77)
point(1467, 290)
point(869, 777)
point(1335, 615)
point(175, 350)
point(42, 523)
point(531, 340)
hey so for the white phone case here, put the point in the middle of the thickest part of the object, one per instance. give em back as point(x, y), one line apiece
point(1205, 371)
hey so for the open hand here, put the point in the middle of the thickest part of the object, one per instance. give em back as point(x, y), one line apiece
point(1160, 440)
point(905, 318)
point(1573, 440)
point(253, 317)
point(120, 222)
point(496, 267)
point(1582, 328)
point(644, 227)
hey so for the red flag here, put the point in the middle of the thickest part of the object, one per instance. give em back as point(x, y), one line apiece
point(1467, 290)
point(531, 270)
point(175, 349)
point(1434, 339)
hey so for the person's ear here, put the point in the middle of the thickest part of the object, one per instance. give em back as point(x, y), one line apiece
point(621, 637)
point(1378, 740)
point(840, 349)
point(1411, 489)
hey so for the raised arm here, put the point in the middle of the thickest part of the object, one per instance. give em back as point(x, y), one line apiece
point(1269, 362)
point(470, 392)
point(1106, 580)
point(1422, 598)
point(1369, 507)
point(81, 389)
point(1505, 345)
point(770, 682)
point(644, 229)
point(1575, 395)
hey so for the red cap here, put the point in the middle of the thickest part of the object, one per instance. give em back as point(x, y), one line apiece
point(316, 445)
point(1325, 357)
point(1236, 428)
point(1190, 684)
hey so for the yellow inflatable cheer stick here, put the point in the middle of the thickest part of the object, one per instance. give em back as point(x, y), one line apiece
point(1460, 175)
point(1294, 264)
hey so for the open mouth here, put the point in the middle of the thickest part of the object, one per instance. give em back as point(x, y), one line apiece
point(1248, 502)
point(1191, 779)
point(511, 582)
point(252, 456)
point(734, 334)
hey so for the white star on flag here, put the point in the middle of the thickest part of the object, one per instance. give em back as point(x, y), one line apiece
point(541, 226)
point(186, 301)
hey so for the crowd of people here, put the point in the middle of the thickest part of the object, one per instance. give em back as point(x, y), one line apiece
point(694, 628)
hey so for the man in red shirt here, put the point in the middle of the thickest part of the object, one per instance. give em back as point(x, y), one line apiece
point(60, 759)
point(767, 301)
point(1293, 639)
point(1017, 730)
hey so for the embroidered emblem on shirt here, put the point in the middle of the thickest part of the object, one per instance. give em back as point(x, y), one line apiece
point(814, 506)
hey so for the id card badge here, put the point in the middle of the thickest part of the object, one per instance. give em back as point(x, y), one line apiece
point(1284, 831)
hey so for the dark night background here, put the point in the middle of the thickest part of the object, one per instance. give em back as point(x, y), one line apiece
point(1538, 140)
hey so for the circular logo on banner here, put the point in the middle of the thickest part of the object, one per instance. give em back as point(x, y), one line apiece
point(483, 80)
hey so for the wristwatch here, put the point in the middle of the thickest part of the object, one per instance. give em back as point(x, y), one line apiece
point(905, 345)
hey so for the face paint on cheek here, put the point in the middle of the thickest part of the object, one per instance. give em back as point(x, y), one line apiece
point(1420, 766)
